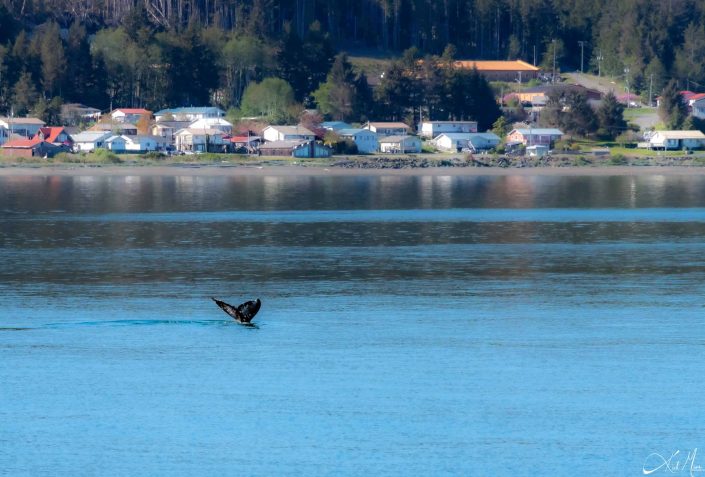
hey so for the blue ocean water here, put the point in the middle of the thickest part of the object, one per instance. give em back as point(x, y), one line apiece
point(410, 325)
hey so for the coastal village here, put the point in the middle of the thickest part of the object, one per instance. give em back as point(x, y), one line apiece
point(195, 130)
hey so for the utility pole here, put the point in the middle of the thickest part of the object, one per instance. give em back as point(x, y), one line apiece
point(553, 78)
point(599, 63)
point(626, 75)
point(651, 86)
point(534, 55)
point(582, 47)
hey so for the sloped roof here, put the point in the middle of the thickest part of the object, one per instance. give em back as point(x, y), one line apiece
point(200, 131)
point(283, 144)
point(91, 136)
point(132, 111)
point(51, 133)
point(389, 125)
point(539, 131)
point(470, 136)
point(335, 125)
point(22, 143)
point(292, 130)
point(353, 131)
point(516, 65)
point(190, 110)
point(680, 134)
point(18, 121)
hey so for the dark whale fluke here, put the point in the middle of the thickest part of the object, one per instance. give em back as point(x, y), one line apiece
point(243, 313)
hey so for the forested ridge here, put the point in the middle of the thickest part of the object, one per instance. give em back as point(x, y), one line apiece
point(158, 53)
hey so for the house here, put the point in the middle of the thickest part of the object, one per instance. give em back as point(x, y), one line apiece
point(35, 147)
point(188, 114)
point(55, 135)
point(168, 129)
point(287, 133)
point(677, 140)
point(136, 144)
point(388, 129)
point(201, 140)
point(121, 129)
point(76, 113)
point(533, 136)
point(90, 140)
point(335, 125)
point(697, 106)
point(514, 71)
point(212, 123)
point(129, 115)
point(538, 150)
point(400, 144)
point(456, 142)
point(295, 148)
point(432, 129)
point(364, 139)
point(249, 143)
point(25, 127)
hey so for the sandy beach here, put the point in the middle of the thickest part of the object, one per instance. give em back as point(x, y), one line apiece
point(285, 170)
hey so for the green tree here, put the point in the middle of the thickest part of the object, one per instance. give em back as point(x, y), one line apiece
point(610, 117)
point(336, 97)
point(53, 59)
point(672, 108)
point(272, 99)
point(24, 94)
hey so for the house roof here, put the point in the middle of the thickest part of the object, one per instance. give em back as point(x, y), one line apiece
point(132, 111)
point(22, 143)
point(111, 126)
point(190, 110)
point(516, 65)
point(173, 124)
point(51, 133)
point(335, 125)
point(200, 131)
point(212, 121)
point(283, 144)
point(388, 125)
point(389, 139)
point(353, 131)
point(35, 121)
point(91, 136)
point(680, 134)
point(470, 136)
point(245, 138)
point(697, 97)
point(449, 122)
point(292, 130)
point(539, 132)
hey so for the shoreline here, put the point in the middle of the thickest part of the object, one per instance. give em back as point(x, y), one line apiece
point(320, 170)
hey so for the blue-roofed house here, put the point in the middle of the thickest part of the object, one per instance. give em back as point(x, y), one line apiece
point(189, 113)
point(364, 139)
point(533, 136)
point(456, 142)
point(335, 125)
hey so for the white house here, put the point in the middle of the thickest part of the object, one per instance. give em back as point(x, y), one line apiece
point(400, 144)
point(167, 129)
point(364, 139)
point(677, 140)
point(189, 114)
point(212, 123)
point(90, 140)
point(434, 128)
point(129, 115)
point(287, 133)
point(456, 142)
point(25, 127)
point(388, 129)
point(698, 107)
point(538, 150)
point(201, 140)
point(135, 144)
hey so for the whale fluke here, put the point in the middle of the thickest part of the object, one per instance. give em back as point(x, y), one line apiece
point(243, 313)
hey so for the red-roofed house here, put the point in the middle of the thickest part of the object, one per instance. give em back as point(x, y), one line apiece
point(55, 135)
point(35, 147)
point(130, 115)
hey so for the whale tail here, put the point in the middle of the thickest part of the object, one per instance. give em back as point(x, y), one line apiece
point(243, 313)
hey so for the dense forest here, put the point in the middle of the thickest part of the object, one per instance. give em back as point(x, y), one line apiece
point(158, 53)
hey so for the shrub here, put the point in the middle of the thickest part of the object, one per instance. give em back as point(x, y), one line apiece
point(618, 160)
